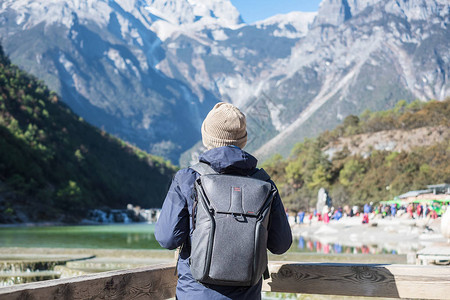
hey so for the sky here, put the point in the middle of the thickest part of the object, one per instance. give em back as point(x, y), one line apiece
point(256, 10)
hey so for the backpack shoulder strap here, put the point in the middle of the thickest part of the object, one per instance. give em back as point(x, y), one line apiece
point(261, 174)
point(203, 168)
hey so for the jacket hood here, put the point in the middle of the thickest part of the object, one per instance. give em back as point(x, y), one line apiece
point(229, 159)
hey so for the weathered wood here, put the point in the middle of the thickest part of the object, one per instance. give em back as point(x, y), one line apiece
point(341, 258)
point(430, 254)
point(393, 281)
point(159, 282)
point(155, 282)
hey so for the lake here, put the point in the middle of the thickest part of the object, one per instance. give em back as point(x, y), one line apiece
point(135, 236)
point(120, 236)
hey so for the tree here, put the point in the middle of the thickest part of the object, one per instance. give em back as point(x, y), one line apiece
point(351, 172)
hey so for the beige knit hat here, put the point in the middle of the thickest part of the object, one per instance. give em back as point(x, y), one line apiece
point(224, 125)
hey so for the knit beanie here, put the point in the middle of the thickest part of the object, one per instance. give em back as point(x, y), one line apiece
point(224, 125)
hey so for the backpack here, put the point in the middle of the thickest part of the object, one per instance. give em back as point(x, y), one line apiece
point(230, 218)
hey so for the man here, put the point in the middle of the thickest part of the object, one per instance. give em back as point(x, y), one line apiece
point(224, 134)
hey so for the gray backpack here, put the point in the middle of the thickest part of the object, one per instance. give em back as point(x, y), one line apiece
point(230, 219)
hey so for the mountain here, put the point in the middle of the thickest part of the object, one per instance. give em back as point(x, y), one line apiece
point(101, 57)
point(54, 166)
point(358, 55)
point(148, 71)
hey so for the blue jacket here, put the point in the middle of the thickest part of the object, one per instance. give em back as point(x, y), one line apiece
point(174, 227)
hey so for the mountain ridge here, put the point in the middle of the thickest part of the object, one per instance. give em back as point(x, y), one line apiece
point(149, 71)
point(396, 140)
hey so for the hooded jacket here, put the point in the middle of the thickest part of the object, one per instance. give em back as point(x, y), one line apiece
point(174, 228)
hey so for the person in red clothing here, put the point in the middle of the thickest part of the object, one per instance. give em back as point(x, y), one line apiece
point(419, 210)
point(433, 214)
point(365, 219)
point(409, 210)
point(326, 218)
point(319, 217)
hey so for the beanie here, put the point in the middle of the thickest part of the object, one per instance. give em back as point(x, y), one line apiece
point(224, 125)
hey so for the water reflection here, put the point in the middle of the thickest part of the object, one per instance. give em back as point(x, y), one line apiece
point(316, 246)
point(136, 238)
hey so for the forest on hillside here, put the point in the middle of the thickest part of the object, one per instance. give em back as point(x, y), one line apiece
point(55, 166)
point(358, 179)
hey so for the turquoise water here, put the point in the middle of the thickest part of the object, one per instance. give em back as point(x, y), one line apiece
point(126, 236)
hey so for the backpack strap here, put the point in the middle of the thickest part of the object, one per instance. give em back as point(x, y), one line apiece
point(266, 274)
point(203, 168)
point(261, 174)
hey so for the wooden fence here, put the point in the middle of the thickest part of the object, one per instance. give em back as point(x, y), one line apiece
point(159, 282)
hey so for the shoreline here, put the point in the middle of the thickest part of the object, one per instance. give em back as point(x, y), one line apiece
point(50, 224)
point(33, 224)
point(401, 235)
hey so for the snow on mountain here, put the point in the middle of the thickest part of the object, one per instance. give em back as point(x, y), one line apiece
point(336, 12)
point(222, 11)
point(32, 12)
point(423, 10)
point(201, 13)
point(162, 16)
point(292, 25)
point(190, 16)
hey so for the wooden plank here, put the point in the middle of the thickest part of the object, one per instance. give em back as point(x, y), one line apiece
point(154, 282)
point(159, 282)
point(433, 257)
point(443, 251)
point(430, 254)
point(341, 258)
point(393, 281)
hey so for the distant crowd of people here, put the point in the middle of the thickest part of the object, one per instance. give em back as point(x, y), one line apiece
point(392, 210)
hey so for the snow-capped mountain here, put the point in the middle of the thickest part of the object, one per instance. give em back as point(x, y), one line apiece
point(101, 56)
point(149, 70)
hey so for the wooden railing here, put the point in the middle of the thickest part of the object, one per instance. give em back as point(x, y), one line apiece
point(159, 282)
